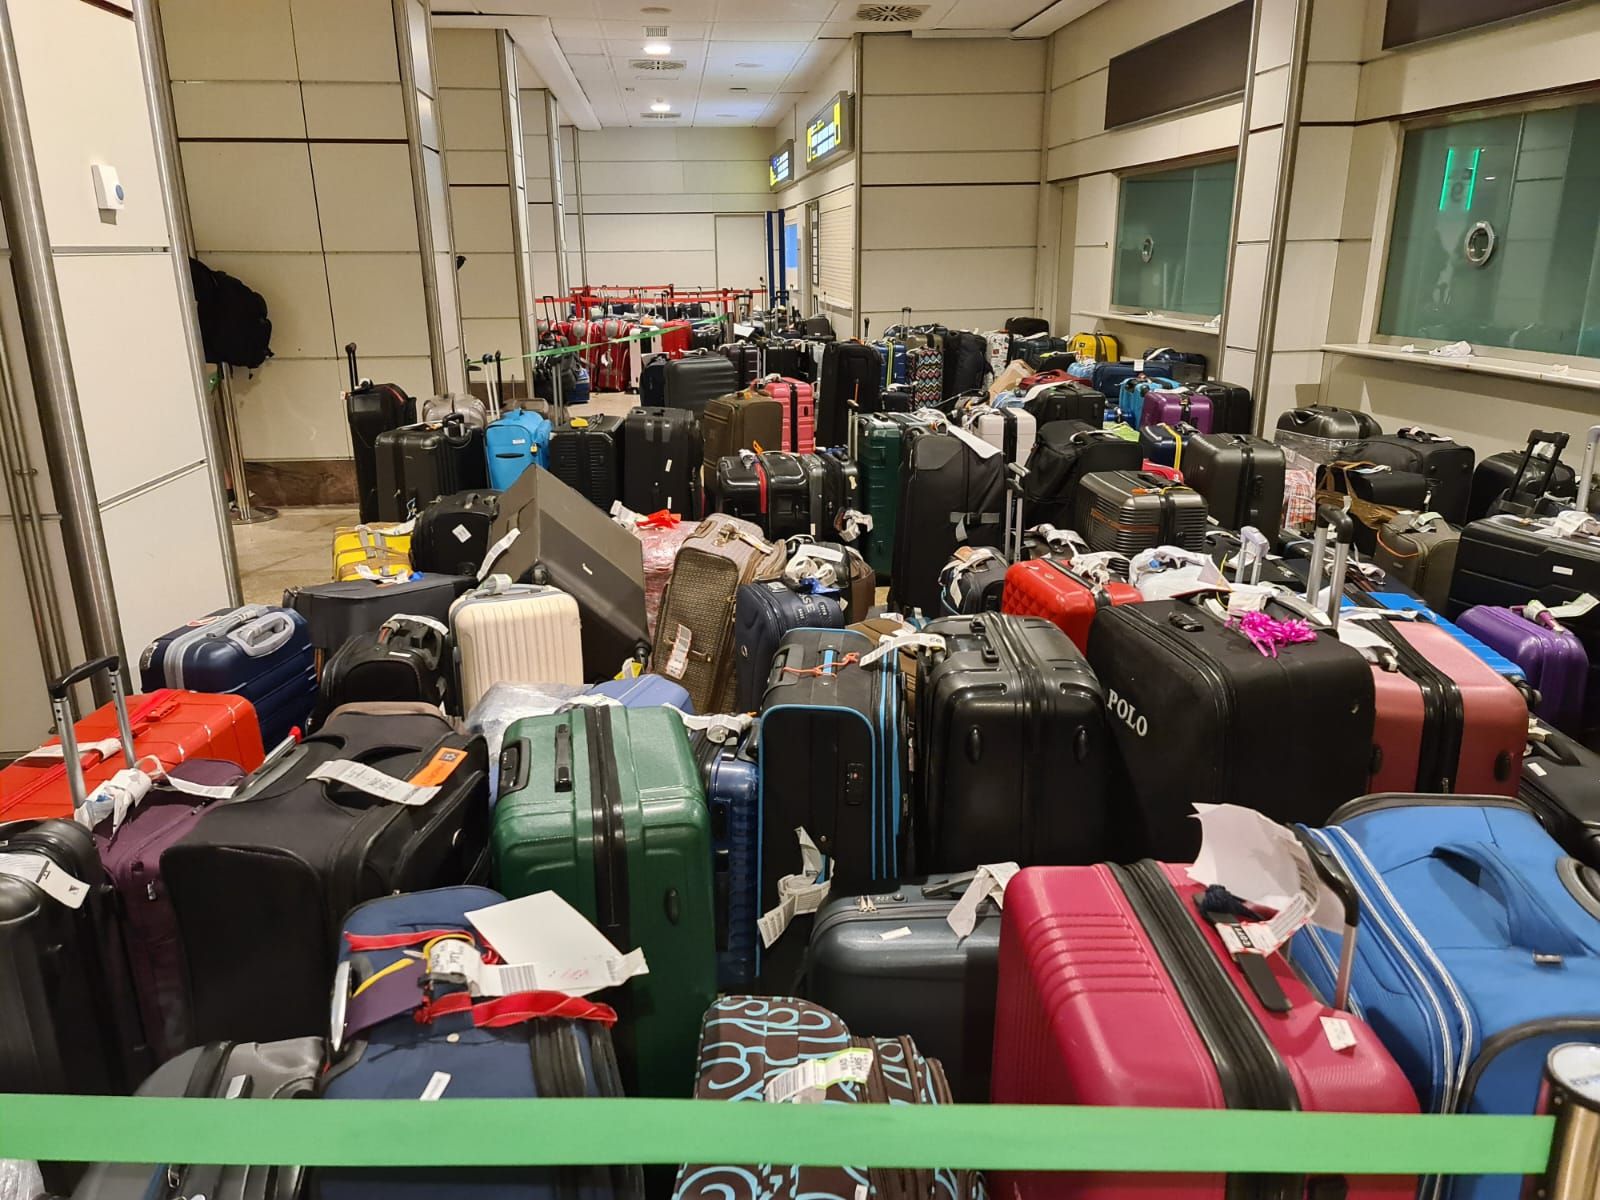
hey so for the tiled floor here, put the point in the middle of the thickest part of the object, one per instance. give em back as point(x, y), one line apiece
point(297, 547)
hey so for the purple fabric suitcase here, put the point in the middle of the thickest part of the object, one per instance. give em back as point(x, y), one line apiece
point(1164, 407)
point(1551, 656)
point(132, 860)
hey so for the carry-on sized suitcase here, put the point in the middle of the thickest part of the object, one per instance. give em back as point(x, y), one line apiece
point(696, 379)
point(1130, 511)
point(746, 359)
point(799, 432)
point(1232, 410)
point(1419, 549)
point(880, 447)
point(1323, 432)
point(337, 612)
point(973, 581)
point(548, 533)
point(372, 409)
point(1116, 988)
point(850, 382)
point(1013, 431)
point(951, 496)
point(406, 658)
point(372, 551)
point(742, 421)
point(451, 535)
point(586, 454)
point(1445, 464)
point(1241, 478)
point(661, 447)
point(1174, 406)
point(515, 633)
point(417, 463)
point(733, 799)
point(384, 798)
point(1516, 480)
point(513, 443)
point(1065, 453)
point(604, 806)
point(258, 652)
point(1480, 951)
point(1561, 784)
point(444, 1044)
point(1014, 761)
point(772, 489)
point(1051, 588)
point(1067, 400)
point(1551, 657)
point(763, 613)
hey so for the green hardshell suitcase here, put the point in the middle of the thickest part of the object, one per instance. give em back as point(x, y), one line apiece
point(604, 806)
point(880, 444)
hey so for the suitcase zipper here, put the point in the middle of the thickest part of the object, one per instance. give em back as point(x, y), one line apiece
point(609, 838)
point(1249, 1069)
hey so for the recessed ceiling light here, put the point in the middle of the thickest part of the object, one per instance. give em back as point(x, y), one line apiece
point(738, 89)
point(727, 114)
point(748, 66)
point(657, 48)
point(655, 10)
point(660, 106)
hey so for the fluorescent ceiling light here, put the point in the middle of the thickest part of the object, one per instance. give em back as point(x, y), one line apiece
point(658, 48)
point(660, 106)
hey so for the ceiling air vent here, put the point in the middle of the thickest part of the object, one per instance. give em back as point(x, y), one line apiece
point(890, 14)
point(655, 31)
point(657, 64)
point(650, 116)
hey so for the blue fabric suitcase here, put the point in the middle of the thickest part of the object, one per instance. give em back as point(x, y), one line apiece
point(259, 652)
point(645, 691)
point(1479, 951)
point(763, 613)
point(1403, 602)
point(394, 1046)
point(733, 787)
point(518, 440)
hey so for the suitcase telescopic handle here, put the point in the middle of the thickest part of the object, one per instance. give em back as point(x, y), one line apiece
point(1331, 872)
point(1536, 438)
point(1335, 523)
point(60, 690)
point(350, 358)
point(1590, 449)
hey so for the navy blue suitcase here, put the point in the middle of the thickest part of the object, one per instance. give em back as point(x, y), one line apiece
point(259, 652)
point(733, 796)
point(396, 1046)
point(763, 613)
point(1109, 377)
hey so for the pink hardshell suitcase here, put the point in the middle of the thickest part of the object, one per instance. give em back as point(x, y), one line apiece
point(1116, 990)
point(1169, 406)
point(799, 413)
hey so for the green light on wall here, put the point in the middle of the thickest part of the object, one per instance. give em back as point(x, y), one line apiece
point(1444, 186)
point(1472, 179)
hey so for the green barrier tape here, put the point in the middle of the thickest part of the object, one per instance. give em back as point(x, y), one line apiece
point(410, 1133)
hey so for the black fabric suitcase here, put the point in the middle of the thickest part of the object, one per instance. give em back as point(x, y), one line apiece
point(772, 489)
point(763, 613)
point(851, 381)
point(261, 885)
point(1524, 473)
point(1231, 408)
point(406, 658)
point(696, 379)
point(950, 496)
point(1561, 783)
point(287, 1070)
point(452, 534)
point(1130, 511)
point(1201, 716)
point(791, 360)
point(372, 409)
point(1063, 454)
point(565, 541)
point(419, 463)
point(1241, 478)
point(337, 612)
point(1014, 762)
point(1069, 401)
point(746, 360)
point(1374, 493)
point(1445, 464)
point(653, 381)
point(1026, 326)
point(927, 984)
point(586, 454)
point(662, 451)
point(971, 365)
point(973, 581)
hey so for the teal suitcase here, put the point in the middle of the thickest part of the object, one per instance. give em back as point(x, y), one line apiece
point(604, 806)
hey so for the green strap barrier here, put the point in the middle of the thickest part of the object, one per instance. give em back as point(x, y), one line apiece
point(410, 1133)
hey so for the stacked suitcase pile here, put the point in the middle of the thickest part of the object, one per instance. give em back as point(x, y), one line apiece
point(933, 839)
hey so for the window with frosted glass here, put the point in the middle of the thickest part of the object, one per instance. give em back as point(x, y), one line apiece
point(1495, 234)
point(1172, 240)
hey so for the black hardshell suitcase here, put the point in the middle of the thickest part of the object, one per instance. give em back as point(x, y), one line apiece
point(1241, 478)
point(1014, 761)
point(1064, 453)
point(1034, 350)
point(1232, 410)
point(1201, 716)
point(696, 379)
point(746, 359)
point(763, 613)
point(565, 541)
point(792, 360)
point(835, 483)
point(586, 454)
point(653, 381)
point(404, 659)
point(771, 489)
point(661, 447)
point(1447, 466)
point(287, 1070)
point(372, 409)
point(339, 611)
point(1069, 401)
point(950, 496)
point(1561, 783)
point(451, 535)
point(851, 382)
point(261, 885)
point(1324, 432)
point(1528, 475)
point(1130, 511)
point(927, 984)
point(419, 463)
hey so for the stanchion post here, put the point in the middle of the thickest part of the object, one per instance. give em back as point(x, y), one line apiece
point(1571, 1094)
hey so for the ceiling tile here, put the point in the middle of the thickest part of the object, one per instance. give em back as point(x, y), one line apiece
point(772, 31)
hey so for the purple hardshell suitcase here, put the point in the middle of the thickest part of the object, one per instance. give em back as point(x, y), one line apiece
point(1551, 656)
point(1170, 407)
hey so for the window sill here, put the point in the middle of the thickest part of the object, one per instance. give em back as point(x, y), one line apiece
point(1502, 368)
point(1204, 328)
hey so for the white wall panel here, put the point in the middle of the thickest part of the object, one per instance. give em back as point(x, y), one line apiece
point(295, 287)
point(941, 123)
point(686, 268)
point(364, 197)
point(897, 64)
point(473, 119)
point(910, 218)
point(222, 109)
point(481, 218)
point(249, 194)
point(486, 335)
point(290, 408)
point(488, 286)
point(948, 279)
point(637, 177)
point(686, 231)
point(684, 202)
point(465, 58)
point(968, 166)
point(255, 42)
point(378, 303)
point(366, 111)
point(346, 39)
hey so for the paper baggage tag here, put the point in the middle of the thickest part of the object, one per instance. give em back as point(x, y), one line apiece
point(720, 728)
point(461, 533)
point(438, 768)
point(805, 1082)
point(105, 748)
point(338, 1005)
point(492, 555)
point(799, 894)
point(1138, 366)
point(1339, 1032)
point(889, 643)
point(894, 935)
point(678, 659)
point(47, 876)
point(988, 883)
point(436, 1086)
point(550, 945)
point(977, 445)
point(578, 975)
point(114, 798)
point(1562, 612)
point(373, 782)
point(205, 791)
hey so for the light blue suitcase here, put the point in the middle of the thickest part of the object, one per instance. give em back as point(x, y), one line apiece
point(518, 440)
point(1479, 951)
point(644, 691)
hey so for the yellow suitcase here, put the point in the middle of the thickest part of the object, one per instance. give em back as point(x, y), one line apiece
point(1102, 347)
point(371, 551)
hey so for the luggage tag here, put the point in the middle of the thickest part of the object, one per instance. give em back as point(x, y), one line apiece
point(105, 748)
point(988, 883)
point(492, 555)
point(721, 728)
point(116, 797)
point(374, 782)
point(797, 894)
point(547, 945)
point(807, 1082)
point(575, 975)
point(891, 643)
point(47, 876)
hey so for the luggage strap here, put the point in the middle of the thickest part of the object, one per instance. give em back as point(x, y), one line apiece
point(503, 1011)
point(828, 668)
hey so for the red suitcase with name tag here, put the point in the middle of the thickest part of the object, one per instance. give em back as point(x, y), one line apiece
point(1049, 588)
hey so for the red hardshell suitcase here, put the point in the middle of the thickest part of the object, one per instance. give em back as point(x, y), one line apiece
point(799, 413)
point(1049, 588)
point(1115, 990)
point(676, 336)
point(168, 724)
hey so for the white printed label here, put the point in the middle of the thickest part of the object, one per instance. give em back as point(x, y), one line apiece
point(988, 883)
point(805, 1082)
point(678, 660)
point(797, 894)
point(373, 781)
point(436, 1086)
point(205, 791)
point(46, 876)
point(1138, 366)
point(236, 1087)
point(495, 551)
point(461, 533)
point(1536, 768)
point(1558, 569)
point(894, 935)
point(1339, 1033)
point(105, 748)
point(577, 976)
point(668, 468)
point(339, 1003)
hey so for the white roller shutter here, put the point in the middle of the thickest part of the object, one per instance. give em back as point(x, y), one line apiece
point(836, 248)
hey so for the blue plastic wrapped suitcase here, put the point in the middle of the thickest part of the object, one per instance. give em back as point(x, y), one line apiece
point(580, 394)
point(518, 440)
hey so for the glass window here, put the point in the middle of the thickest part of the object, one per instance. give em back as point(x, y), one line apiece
point(1494, 238)
point(1172, 240)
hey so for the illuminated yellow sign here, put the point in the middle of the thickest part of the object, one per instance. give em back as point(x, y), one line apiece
point(828, 133)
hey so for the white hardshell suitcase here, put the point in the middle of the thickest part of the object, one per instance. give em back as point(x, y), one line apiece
point(1011, 430)
point(515, 633)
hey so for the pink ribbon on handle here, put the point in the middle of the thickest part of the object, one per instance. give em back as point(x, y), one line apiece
point(1266, 633)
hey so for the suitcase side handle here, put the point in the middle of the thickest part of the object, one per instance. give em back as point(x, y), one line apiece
point(61, 709)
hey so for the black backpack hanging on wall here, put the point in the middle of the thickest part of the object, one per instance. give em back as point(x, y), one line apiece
point(234, 327)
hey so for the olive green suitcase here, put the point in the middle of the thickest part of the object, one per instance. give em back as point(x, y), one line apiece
point(604, 806)
point(880, 443)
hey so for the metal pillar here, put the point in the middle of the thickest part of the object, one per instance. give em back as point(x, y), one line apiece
point(50, 368)
point(1238, 179)
point(1571, 1093)
point(421, 197)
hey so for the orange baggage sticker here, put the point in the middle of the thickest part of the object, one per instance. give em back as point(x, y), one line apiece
point(438, 768)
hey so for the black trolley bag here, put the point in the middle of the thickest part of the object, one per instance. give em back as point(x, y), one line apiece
point(406, 658)
point(1516, 481)
point(1014, 761)
point(341, 610)
point(419, 463)
point(1069, 400)
point(746, 359)
point(1240, 476)
point(951, 495)
point(850, 382)
point(286, 1070)
point(662, 450)
point(261, 884)
point(586, 454)
point(1561, 783)
point(1447, 466)
point(697, 379)
point(452, 533)
point(1232, 410)
point(563, 540)
point(771, 489)
point(371, 409)
point(1202, 716)
point(1064, 453)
